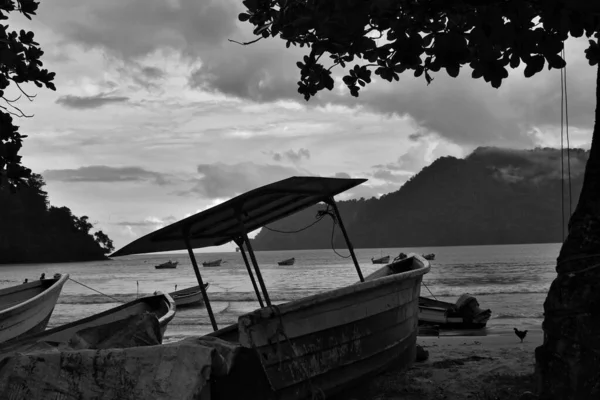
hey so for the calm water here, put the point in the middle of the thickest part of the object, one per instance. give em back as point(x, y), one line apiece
point(511, 280)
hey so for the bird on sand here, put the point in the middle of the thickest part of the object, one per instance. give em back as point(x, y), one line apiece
point(520, 334)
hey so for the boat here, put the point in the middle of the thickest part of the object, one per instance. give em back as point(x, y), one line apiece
point(429, 256)
point(162, 305)
point(381, 260)
point(167, 265)
point(321, 344)
point(188, 297)
point(215, 263)
point(289, 261)
point(464, 314)
point(237, 249)
point(26, 308)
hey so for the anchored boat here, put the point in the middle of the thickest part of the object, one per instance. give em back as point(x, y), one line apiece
point(320, 344)
point(26, 308)
point(289, 261)
point(188, 297)
point(215, 263)
point(167, 265)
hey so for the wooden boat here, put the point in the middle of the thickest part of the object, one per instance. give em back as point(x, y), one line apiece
point(188, 297)
point(429, 256)
point(464, 314)
point(167, 265)
point(162, 305)
point(381, 260)
point(26, 308)
point(215, 263)
point(289, 261)
point(321, 344)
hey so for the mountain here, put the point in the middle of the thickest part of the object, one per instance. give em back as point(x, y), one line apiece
point(33, 231)
point(493, 196)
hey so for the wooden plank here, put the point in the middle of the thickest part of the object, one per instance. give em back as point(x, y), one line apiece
point(256, 332)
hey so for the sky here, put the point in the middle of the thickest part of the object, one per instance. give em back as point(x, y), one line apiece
point(158, 116)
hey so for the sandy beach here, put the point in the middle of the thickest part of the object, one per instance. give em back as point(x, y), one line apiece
point(468, 367)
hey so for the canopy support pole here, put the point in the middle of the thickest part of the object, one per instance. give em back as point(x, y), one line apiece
point(332, 203)
point(254, 262)
point(240, 244)
point(188, 244)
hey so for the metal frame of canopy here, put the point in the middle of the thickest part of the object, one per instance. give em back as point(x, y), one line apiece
point(234, 219)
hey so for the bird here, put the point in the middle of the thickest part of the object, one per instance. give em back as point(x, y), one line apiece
point(43, 276)
point(25, 281)
point(520, 334)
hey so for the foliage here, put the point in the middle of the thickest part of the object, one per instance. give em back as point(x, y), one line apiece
point(390, 37)
point(19, 63)
point(34, 231)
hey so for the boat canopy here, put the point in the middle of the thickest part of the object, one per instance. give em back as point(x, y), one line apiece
point(247, 212)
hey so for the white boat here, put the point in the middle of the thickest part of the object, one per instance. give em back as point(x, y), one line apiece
point(188, 297)
point(26, 308)
point(318, 345)
point(162, 305)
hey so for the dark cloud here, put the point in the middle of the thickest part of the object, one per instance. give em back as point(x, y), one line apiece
point(291, 155)
point(103, 173)
point(152, 72)
point(86, 102)
point(390, 166)
point(222, 180)
point(415, 137)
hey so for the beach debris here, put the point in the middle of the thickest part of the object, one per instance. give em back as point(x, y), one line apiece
point(422, 354)
point(43, 276)
point(520, 334)
point(528, 396)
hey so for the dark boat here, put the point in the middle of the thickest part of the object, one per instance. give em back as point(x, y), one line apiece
point(381, 260)
point(188, 297)
point(429, 256)
point(464, 314)
point(320, 344)
point(289, 261)
point(168, 265)
point(215, 263)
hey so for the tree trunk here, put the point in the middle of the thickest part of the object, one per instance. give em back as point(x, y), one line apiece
point(568, 362)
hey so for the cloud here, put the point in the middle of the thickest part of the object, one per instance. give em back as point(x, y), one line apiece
point(86, 102)
point(342, 175)
point(152, 222)
point(291, 155)
point(222, 180)
point(103, 173)
point(388, 176)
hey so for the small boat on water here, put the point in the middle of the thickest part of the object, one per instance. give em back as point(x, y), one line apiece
point(188, 297)
point(381, 260)
point(167, 265)
point(464, 314)
point(162, 305)
point(429, 256)
point(215, 263)
point(321, 344)
point(289, 261)
point(26, 308)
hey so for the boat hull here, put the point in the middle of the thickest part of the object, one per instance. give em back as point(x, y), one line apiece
point(189, 297)
point(446, 315)
point(332, 340)
point(27, 308)
point(216, 263)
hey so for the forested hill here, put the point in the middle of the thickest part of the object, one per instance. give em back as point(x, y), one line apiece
point(31, 230)
point(493, 196)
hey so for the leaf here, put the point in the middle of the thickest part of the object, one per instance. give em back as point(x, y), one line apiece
point(243, 17)
point(453, 70)
point(534, 65)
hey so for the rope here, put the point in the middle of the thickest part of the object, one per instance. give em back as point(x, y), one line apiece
point(97, 291)
point(428, 290)
point(564, 129)
point(567, 132)
point(320, 215)
point(562, 159)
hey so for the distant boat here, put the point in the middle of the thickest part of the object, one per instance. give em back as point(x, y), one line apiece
point(188, 297)
point(26, 308)
point(215, 263)
point(237, 249)
point(464, 314)
point(429, 256)
point(162, 305)
point(381, 260)
point(289, 261)
point(168, 264)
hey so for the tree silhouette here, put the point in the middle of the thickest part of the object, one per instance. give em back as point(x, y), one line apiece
point(391, 37)
point(19, 63)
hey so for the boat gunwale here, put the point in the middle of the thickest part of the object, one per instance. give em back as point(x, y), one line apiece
point(319, 298)
point(59, 283)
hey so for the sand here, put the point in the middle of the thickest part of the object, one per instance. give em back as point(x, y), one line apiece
point(488, 367)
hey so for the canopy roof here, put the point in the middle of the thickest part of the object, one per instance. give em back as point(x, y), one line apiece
point(257, 208)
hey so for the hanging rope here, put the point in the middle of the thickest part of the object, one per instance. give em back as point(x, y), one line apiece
point(567, 132)
point(97, 291)
point(320, 215)
point(564, 128)
point(428, 290)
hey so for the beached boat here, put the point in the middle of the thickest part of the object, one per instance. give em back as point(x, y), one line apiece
point(167, 265)
point(188, 297)
point(289, 261)
point(429, 256)
point(162, 305)
point(464, 314)
point(381, 260)
point(215, 263)
point(321, 344)
point(26, 308)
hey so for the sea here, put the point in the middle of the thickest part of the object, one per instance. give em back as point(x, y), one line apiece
point(511, 280)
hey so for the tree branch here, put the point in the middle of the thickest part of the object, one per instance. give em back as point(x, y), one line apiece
point(245, 43)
